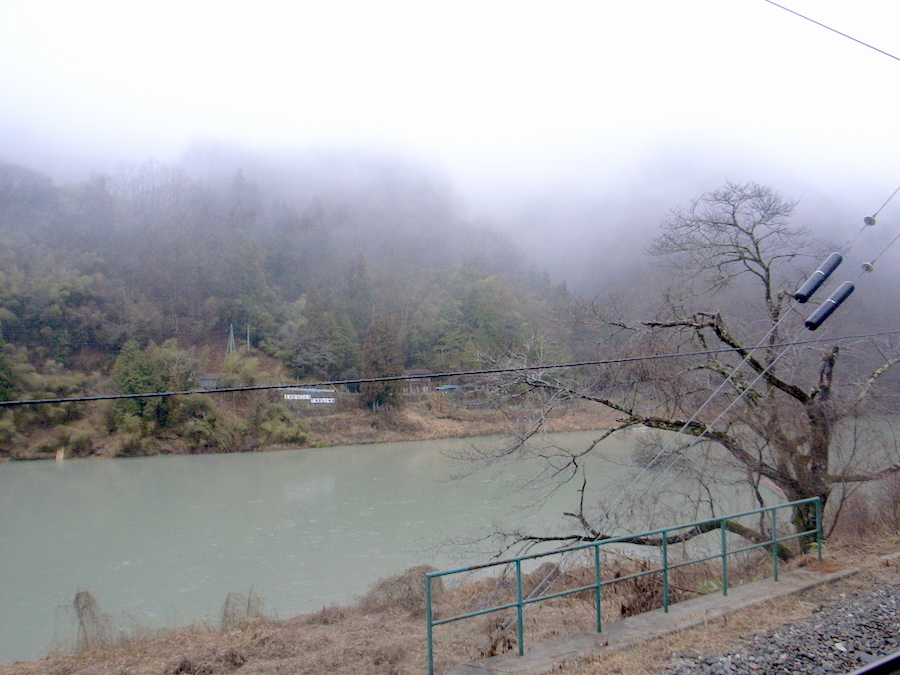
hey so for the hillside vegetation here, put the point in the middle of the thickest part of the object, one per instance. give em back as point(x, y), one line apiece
point(140, 281)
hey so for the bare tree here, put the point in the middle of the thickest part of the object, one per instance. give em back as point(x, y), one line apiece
point(777, 410)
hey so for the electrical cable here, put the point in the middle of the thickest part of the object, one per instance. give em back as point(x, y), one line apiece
point(869, 221)
point(886, 202)
point(833, 30)
point(681, 453)
point(693, 417)
point(867, 267)
point(401, 378)
point(884, 250)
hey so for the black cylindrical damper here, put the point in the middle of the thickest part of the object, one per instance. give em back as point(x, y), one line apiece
point(818, 277)
point(832, 303)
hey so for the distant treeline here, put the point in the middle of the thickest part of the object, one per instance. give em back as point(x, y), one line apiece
point(153, 258)
point(150, 254)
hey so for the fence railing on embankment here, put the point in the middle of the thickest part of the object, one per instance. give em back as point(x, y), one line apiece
point(665, 537)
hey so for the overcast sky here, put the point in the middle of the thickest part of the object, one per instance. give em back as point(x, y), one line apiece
point(496, 93)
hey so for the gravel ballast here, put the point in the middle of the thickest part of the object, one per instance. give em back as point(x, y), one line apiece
point(837, 638)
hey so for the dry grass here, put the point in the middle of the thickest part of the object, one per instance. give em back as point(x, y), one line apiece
point(654, 656)
point(384, 631)
point(432, 417)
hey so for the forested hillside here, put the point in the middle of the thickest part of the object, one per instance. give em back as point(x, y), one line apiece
point(134, 281)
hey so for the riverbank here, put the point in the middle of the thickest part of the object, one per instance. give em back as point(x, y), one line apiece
point(430, 418)
point(245, 423)
point(384, 631)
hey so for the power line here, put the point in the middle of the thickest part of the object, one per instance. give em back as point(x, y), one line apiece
point(883, 251)
point(679, 455)
point(869, 221)
point(833, 30)
point(461, 373)
point(893, 194)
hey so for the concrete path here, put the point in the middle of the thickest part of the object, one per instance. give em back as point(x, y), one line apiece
point(544, 658)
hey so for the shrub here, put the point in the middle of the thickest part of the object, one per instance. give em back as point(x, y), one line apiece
point(405, 590)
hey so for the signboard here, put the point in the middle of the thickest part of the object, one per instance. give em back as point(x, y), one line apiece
point(308, 397)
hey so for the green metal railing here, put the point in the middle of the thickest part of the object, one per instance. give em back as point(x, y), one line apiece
point(710, 525)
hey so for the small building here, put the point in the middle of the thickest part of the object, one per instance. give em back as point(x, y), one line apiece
point(211, 380)
point(418, 381)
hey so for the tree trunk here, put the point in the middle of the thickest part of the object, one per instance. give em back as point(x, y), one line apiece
point(804, 520)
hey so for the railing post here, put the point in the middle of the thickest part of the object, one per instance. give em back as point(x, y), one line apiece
point(428, 625)
point(520, 602)
point(775, 543)
point(520, 633)
point(724, 557)
point(598, 594)
point(665, 569)
point(819, 526)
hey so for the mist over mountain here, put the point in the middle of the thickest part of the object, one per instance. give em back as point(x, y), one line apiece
point(586, 212)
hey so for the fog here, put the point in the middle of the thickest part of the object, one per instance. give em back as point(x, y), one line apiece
point(575, 129)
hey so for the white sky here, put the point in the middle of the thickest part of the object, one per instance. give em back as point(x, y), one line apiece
point(487, 89)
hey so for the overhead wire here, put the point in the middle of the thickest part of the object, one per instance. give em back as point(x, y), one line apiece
point(693, 418)
point(833, 30)
point(883, 251)
point(709, 427)
point(887, 201)
point(400, 378)
point(868, 221)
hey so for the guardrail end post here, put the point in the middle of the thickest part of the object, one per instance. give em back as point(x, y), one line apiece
point(774, 545)
point(665, 570)
point(724, 533)
point(819, 527)
point(598, 591)
point(429, 625)
point(520, 630)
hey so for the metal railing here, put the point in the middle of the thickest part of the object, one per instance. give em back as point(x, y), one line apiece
point(723, 524)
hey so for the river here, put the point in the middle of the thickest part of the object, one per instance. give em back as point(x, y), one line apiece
point(160, 541)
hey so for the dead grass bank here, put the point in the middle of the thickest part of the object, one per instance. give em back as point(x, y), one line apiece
point(433, 417)
point(384, 631)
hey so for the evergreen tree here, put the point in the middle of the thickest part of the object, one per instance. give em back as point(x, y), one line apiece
point(8, 379)
point(137, 371)
point(382, 357)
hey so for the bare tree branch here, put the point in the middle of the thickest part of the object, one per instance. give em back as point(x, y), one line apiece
point(778, 425)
